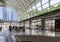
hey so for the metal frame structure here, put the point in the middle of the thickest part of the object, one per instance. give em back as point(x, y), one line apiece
point(25, 6)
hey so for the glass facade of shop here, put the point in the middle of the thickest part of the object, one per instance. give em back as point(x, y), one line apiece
point(36, 23)
point(50, 24)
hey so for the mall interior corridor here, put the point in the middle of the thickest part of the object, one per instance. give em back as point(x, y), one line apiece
point(29, 20)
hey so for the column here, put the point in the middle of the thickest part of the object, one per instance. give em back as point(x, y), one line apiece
point(30, 26)
point(43, 24)
point(24, 29)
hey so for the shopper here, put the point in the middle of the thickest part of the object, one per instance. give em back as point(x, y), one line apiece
point(10, 28)
point(23, 28)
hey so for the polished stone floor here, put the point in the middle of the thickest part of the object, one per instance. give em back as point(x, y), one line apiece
point(37, 32)
point(5, 35)
point(2, 37)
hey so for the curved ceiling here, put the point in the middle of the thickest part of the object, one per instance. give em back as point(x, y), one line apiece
point(19, 5)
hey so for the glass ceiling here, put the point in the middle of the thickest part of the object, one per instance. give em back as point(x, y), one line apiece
point(30, 8)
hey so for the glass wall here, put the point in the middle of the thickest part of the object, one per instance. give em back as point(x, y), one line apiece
point(8, 14)
point(12, 15)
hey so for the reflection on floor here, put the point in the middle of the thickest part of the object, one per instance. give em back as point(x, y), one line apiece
point(2, 37)
point(5, 35)
point(37, 32)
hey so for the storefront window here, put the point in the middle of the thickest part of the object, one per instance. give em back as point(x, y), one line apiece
point(50, 24)
point(35, 23)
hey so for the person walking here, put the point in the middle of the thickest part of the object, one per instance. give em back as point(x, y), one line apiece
point(10, 28)
point(23, 28)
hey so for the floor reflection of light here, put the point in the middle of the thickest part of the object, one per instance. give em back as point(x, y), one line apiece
point(27, 32)
point(49, 33)
point(57, 34)
point(32, 32)
point(38, 32)
point(2, 39)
